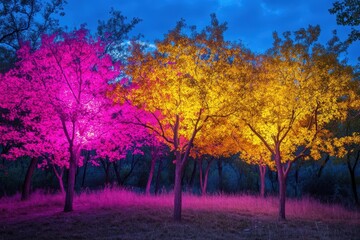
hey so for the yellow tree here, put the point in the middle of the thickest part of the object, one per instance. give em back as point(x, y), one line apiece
point(184, 83)
point(299, 87)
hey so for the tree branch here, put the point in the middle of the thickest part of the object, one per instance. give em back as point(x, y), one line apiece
point(261, 138)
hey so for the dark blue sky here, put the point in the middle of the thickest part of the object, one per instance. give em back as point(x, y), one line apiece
point(251, 21)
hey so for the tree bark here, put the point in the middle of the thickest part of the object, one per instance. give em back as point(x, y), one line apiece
point(180, 165)
point(283, 171)
point(204, 180)
point(262, 170)
point(25, 194)
point(282, 196)
point(61, 185)
point(151, 173)
point(59, 176)
point(69, 198)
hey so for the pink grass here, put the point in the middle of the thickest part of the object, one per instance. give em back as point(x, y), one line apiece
point(305, 208)
point(121, 214)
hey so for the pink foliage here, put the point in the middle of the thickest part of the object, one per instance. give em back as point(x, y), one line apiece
point(63, 86)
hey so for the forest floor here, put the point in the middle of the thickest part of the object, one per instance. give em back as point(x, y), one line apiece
point(119, 214)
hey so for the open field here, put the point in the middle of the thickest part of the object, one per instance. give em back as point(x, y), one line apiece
point(118, 214)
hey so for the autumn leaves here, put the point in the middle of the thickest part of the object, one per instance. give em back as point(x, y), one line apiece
point(222, 99)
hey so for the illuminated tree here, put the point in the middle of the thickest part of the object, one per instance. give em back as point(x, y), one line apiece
point(18, 137)
point(183, 84)
point(63, 85)
point(300, 86)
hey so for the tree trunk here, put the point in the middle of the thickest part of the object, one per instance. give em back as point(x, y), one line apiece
point(158, 175)
point(59, 176)
point(177, 187)
point(85, 168)
point(107, 174)
point(71, 181)
point(282, 196)
point(151, 174)
point(204, 180)
point(25, 194)
point(61, 185)
point(219, 163)
point(201, 176)
point(191, 182)
point(273, 177)
point(282, 175)
point(262, 170)
point(106, 165)
point(180, 165)
point(132, 167)
point(323, 165)
point(352, 176)
point(117, 173)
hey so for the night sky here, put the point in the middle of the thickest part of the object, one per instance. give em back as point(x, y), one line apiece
point(251, 21)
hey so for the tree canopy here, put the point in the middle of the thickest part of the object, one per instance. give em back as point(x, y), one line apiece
point(348, 14)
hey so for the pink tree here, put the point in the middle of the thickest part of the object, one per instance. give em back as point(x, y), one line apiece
point(20, 135)
point(16, 136)
point(64, 83)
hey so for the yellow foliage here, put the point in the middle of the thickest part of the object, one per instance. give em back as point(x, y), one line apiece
point(189, 78)
point(292, 97)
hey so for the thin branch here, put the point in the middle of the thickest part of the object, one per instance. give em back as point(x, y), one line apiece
point(190, 142)
point(262, 139)
point(292, 119)
point(64, 75)
point(287, 168)
point(65, 129)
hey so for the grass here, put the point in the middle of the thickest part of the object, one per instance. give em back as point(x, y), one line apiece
point(120, 214)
